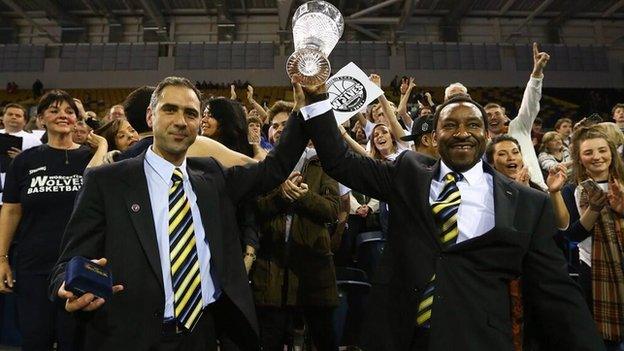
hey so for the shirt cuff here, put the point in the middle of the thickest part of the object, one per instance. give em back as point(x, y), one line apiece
point(315, 109)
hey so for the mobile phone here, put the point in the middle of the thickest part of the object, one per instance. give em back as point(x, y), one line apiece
point(590, 185)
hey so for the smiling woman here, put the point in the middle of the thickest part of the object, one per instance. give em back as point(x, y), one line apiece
point(39, 191)
point(598, 206)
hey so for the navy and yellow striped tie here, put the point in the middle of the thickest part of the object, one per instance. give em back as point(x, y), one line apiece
point(185, 275)
point(445, 213)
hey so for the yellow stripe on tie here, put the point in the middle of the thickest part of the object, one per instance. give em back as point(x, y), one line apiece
point(174, 187)
point(191, 319)
point(181, 243)
point(176, 265)
point(423, 318)
point(186, 281)
point(450, 235)
point(176, 221)
point(425, 303)
point(176, 206)
point(187, 296)
point(439, 207)
point(449, 223)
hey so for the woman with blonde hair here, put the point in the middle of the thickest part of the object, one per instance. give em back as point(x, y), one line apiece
point(596, 205)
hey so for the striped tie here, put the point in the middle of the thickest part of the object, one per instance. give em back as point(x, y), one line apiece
point(185, 275)
point(445, 213)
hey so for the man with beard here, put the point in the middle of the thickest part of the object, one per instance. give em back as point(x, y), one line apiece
point(520, 127)
point(442, 280)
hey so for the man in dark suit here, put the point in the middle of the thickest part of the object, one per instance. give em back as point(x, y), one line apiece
point(442, 281)
point(166, 226)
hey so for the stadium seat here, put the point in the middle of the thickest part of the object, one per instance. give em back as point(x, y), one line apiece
point(369, 246)
point(353, 289)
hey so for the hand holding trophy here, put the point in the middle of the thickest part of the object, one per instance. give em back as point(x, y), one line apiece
point(317, 27)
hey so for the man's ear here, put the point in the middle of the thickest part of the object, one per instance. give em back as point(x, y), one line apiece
point(434, 139)
point(148, 117)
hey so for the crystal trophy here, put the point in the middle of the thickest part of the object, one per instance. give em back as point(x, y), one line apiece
point(317, 26)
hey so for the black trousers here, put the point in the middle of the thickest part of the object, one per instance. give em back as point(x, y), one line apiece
point(276, 325)
point(201, 338)
point(41, 321)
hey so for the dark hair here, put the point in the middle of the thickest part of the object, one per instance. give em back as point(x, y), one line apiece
point(615, 107)
point(458, 99)
point(109, 132)
point(172, 81)
point(489, 150)
point(14, 105)
point(232, 124)
point(135, 105)
point(55, 96)
point(279, 107)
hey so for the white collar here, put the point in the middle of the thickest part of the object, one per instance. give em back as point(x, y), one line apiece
point(472, 176)
point(162, 167)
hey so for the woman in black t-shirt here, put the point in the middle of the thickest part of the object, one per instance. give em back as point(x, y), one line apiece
point(40, 188)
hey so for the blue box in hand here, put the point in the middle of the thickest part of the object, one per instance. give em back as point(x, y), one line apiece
point(83, 276)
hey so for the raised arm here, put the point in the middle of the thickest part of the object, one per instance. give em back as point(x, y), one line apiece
point(352, 143)
point(363, 174)
point(206, 147)
point(261, 112)
point(393, 122)
point(530, 106)
point(406, 90)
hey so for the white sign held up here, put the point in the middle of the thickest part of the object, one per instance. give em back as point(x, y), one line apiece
point(349, 91)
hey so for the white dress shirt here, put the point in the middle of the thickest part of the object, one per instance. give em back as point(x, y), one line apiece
point(520, 128)
point(158, 172)
point(476, 208)
point(28, 141)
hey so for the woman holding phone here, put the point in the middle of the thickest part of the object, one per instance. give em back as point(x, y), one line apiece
point(596, 206)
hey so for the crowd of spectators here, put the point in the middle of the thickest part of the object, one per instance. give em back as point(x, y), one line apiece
point(297, 239)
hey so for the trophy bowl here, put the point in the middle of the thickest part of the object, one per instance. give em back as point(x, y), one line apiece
point(317, 27)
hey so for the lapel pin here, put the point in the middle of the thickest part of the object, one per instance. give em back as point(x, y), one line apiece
point(135, 208)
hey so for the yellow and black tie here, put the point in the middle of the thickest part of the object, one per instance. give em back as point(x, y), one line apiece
point(445, 214)
point(185, 275)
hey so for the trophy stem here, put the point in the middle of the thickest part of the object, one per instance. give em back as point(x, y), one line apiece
point(311, 64)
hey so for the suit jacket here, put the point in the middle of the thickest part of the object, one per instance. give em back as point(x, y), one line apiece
point(112, 218)
point(471, 307)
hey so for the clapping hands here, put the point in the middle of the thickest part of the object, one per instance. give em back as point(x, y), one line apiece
point(556, 179)
point(293, 188)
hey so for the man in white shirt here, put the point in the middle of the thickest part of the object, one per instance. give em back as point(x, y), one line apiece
point(458, 234)
point(166, 226)
point(520, 127)
point(14, 119)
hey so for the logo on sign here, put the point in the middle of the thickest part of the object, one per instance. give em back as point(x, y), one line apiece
point(347, 94)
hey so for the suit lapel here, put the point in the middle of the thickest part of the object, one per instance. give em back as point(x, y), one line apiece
point(425, 189)
point(139, 207)
point(207, 202)
point(505, 201)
